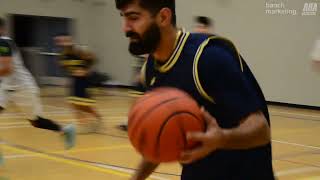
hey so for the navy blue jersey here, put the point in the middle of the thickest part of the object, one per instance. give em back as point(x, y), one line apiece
point(5, 48)
point(74, 59)
point(211, 70)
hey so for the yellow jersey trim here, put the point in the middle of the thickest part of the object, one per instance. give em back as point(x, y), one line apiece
point(72, 62)
point(143, 73)
point(176, 54)
point(85, 100)
point(196, 62)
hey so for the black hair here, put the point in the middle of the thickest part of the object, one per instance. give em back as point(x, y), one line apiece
point(204, 20)
point(63, 34)
point(153, 6)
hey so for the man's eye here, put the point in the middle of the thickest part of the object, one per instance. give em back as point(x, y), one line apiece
point(133, 18)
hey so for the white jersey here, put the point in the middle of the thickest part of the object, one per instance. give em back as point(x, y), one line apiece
point(20, 78)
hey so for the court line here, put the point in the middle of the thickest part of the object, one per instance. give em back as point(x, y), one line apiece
point(300, 116)
point(60, 112)
point(300, 163)
point(70, 151)
point(73, 151)
point(69, 162)
point(94, 149)
point(18, 156)
point(276, 141)
point(15, 127)
point(116, 170)
point(29, 126)
point(290, 113)
point(311, 178)
point(22, 122)
point(128, 171)
point(296, 171)
point(297, 144)
point(293, 155)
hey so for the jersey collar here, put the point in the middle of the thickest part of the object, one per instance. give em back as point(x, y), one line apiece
point(181, 39)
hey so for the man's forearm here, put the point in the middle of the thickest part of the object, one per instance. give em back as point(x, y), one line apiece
point(254, 131)
point(144, 170)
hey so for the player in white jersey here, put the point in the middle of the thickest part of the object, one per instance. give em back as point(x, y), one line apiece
point(17, 85)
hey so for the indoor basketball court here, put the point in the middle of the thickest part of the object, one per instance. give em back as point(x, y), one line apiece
point(278, 39)
point(36, 154)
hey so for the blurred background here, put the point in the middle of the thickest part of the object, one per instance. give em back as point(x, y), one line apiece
point(276, 43)
point(279, 39)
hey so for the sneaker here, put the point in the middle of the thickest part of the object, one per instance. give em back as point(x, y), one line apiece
point(69, 136)
point(1, 159)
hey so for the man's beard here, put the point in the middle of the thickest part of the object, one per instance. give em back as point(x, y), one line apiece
point(145, 44)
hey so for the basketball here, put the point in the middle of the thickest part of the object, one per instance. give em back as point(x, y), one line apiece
point(159, 121)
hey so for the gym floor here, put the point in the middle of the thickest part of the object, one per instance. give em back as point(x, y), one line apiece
point(34, 154)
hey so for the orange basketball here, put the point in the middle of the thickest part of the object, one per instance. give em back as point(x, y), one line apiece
point(159, 121)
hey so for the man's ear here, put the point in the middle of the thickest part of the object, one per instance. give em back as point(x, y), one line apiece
point(164, 17)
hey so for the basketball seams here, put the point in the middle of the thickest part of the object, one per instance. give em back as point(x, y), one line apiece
point(152, 95)
point(166, 122)
point(141, 140)
point(170, 109)
point(134, 126)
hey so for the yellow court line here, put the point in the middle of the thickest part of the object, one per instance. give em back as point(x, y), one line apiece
point(311, 178)
point(94, 149)
point(70, 162)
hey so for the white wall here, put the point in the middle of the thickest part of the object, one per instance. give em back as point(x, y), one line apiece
point(276, 47)
point(110, 43)
point(56, 8)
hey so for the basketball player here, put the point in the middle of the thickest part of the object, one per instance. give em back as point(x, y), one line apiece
point(78, 62)
point(17, 85)
point(203, 25)
point(236, 144)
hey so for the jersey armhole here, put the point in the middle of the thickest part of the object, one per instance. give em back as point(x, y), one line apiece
point(198, 54)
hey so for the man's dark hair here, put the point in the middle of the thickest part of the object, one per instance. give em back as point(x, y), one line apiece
point(62, 34)
point(153, 6)
point(2, 22)
point(203, 20)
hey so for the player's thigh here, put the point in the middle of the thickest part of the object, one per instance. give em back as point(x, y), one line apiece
point(29, 102)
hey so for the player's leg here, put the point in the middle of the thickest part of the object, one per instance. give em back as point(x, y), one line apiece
point(83, 113)
point(32, 107)
point(84, 105)
point(81, 116)
point(96, 124)
point(91, 110)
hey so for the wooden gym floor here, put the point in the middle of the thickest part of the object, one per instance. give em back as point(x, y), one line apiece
point(33, 154)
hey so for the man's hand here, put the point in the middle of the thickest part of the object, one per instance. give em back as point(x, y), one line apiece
point(211, 140)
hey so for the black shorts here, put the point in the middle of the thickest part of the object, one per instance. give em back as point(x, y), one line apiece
point(79, 92)
point(251, 164)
